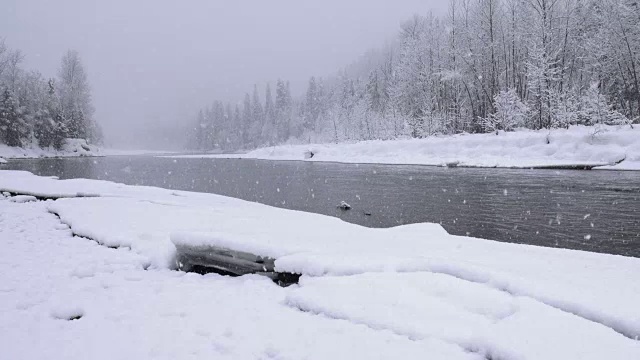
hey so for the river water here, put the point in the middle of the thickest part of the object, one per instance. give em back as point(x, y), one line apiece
point(588, 210)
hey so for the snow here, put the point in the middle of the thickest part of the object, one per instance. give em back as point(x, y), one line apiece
point(398, 293)
point(494, 323)
point(631, 165)
point(576, 146)
point(72, 147)
point(23, 198)
point(48, 277)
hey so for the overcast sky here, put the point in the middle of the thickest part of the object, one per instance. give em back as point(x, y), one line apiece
point(156, 61)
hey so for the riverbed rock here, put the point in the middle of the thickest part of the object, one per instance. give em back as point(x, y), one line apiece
point(344, 206)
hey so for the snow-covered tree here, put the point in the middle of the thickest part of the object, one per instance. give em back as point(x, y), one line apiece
point(564, 110)
point(247, 119)
point(75, 96)
point(269, 127)
point(542, 75)
point(595, 109)
point(510, 113)
point(412, 91)
point(476, 68)
point(49, 125)
point(13, 128)
point(283, 110)
point(39, 112)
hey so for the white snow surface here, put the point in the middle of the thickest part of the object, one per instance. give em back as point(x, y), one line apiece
point(47, 277)
point(72, 148)
point(576, 146)
point(2, 160)
point(409, 291)
point(492, 322)
point(22, 198)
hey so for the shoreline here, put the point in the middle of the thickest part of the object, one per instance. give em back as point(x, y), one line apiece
point(577, 167)
point(98, 153)
point(579, 147)
point(167, 155)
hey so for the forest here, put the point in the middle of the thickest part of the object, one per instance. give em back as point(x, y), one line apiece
point(484, 66)
point(44, 112)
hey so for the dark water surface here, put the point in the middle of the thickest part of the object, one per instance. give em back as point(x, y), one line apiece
point(588, 210)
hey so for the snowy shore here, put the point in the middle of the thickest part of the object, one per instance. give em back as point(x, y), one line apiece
point(73, 148)
point(578, 146)
point(365, 293)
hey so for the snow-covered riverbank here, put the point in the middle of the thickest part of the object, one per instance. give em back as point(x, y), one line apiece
point(365, 293)
point(579, 146)
point(72, 148)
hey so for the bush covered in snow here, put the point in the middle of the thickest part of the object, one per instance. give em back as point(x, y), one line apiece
point(595, 109)
point(510, 113)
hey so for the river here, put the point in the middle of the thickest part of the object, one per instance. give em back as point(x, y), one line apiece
point(595, 211)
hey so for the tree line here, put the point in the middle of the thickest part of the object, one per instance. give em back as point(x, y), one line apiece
point(487, 65)
point(44, 112)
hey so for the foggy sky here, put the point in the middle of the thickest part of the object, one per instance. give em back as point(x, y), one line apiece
point(158, 61)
